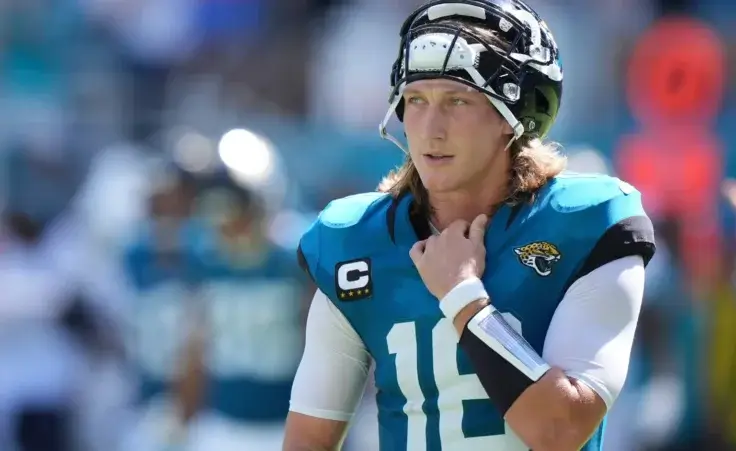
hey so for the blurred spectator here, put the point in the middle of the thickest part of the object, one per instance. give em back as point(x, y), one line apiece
point(351, 62)
point(153, 37)
point(37, 39)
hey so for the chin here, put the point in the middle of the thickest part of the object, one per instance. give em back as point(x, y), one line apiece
point(439, 183)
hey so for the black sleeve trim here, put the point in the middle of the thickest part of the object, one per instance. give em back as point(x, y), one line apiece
point(303, 262)
point(630, 236)
point(391, 219)
point(501, 380)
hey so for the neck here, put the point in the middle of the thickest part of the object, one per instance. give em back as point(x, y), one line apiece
point(467, 204)
point(450, 207)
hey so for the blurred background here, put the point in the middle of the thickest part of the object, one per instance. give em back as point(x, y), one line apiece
point(159, 160)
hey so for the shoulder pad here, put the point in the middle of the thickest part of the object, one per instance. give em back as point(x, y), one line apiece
point(570, 192)
point(592, 201)
point(351, 210)
point(599, 212)
point(349, 228)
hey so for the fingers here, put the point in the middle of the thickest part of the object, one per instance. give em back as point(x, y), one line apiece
point(458, 227)
point(475, 231)
point(417, 251)
point(478, 229)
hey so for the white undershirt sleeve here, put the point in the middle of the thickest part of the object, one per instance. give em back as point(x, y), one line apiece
point(334, 369)
point(592, 330)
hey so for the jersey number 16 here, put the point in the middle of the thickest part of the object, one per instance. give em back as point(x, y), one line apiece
point(453, 389)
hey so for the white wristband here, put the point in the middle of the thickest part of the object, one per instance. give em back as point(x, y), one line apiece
point(463, 294)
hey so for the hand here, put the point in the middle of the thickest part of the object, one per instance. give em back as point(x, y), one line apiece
point(457, 254)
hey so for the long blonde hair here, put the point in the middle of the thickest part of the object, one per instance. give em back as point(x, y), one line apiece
point(533, 164)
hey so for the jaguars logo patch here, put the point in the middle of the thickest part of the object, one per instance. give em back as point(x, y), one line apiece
point(541, 256)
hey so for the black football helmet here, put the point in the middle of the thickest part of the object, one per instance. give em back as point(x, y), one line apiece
point(523, 80)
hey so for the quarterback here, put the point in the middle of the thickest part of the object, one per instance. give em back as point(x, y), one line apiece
point(497, 295)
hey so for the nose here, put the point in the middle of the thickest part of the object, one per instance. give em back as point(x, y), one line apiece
point(434, 124)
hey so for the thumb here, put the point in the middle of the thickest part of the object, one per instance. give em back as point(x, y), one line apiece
point(478, 229)
point(417, 251)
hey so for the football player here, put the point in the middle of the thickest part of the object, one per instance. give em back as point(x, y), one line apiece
point(497, 295)
point(157, 268)
point(223, 334)
point(251, 295)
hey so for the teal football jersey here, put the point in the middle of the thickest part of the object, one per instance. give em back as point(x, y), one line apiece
point(256, 335)
point(161, 283)
point(253, 310)
point(428, 395)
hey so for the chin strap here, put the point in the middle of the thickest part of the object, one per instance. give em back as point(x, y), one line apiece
point(511, 141)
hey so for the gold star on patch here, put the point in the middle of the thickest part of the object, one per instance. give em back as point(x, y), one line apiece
point(342, 295)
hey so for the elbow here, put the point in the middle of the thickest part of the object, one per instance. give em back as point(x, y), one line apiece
point(569, 430)
point(556, 414)
point(566, 427)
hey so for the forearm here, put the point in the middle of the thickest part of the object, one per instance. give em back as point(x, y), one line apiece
point(556, 413)
point(589, 337)
point(329, 383)
point(551, 413)
point(472, 309)
point(300, 445)
point(190, 381)
point(296, 447)
point(308, 433)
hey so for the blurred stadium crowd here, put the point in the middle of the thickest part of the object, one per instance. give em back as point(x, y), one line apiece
point(114, 111)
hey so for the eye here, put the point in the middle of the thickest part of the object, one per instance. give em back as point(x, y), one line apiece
point(458, 101)
point(414, 99)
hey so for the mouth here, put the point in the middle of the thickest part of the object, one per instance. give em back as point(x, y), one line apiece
point(436, 157)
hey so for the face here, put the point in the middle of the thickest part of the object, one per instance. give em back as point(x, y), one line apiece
point(455, 135)
point(233, 216)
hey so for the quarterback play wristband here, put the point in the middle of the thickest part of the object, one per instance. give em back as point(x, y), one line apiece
point(464, 293)
point(490, 326)
point(504, 361)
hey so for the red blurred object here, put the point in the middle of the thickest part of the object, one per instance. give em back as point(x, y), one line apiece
point(678, 173)
point(677, 73)
point(675, 89)
point(679, 176)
